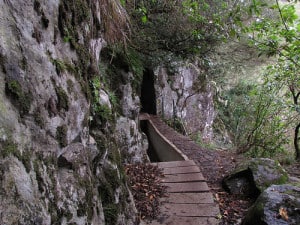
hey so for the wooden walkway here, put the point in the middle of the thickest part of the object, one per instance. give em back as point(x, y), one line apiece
point(189, 201)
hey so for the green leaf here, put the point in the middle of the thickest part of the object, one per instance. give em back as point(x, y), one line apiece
point(144, 19)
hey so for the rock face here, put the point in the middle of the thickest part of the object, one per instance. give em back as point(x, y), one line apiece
point(186, 93)
point(59, 163)
point(277, 205)
point(255, 176)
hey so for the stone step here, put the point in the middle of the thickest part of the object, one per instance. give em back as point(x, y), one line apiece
point(180, 170)
point(175, 164)
point(189, 198)
point(175, 220)
point(184, 177)
point(189, 210)
point(187, 187)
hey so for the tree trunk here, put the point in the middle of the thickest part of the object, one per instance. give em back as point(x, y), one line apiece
point(296, 96)
point(296, 142)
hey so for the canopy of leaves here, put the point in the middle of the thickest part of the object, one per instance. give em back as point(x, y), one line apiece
point(275, 31)
point(181, 28)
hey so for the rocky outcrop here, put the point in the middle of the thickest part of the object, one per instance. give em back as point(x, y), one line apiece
point(61, 140)
point(183, 91)
point(254, 177)
point(277, 205)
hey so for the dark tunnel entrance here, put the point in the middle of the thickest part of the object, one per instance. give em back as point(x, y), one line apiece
point(148, 99)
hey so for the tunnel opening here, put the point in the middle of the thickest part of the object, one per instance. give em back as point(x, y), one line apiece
point(148, 99)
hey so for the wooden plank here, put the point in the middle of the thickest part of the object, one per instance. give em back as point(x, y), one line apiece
point(189, 198)
point(178, 170)
point(185, 221)
point(184, 177)
point(175, 164)
point(187, 187)
point(187, 210)
point(175, 220)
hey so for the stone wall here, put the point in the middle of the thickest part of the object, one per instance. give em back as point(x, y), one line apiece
point(187, 87)
point(58, 165)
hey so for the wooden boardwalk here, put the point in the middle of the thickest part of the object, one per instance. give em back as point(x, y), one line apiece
point(189, 201)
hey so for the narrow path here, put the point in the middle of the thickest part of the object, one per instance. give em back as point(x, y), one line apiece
point(204, 158)
point(189, 200)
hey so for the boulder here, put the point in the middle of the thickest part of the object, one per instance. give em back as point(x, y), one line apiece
point(277, 205)
point(254, 177)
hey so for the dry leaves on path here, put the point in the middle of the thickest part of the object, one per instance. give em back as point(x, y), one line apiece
point(147, 189)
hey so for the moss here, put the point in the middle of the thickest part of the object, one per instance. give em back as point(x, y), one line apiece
point(26, 160)
point(23, 64)
point(283, 179)
point(102, 112)
point(259, 208)
point(111, 212)
point(59, 65)
point(61, 135)
point(63, 99)
point(39, 179)
point(8, 147)
point(71, 16)
point(112, 177)
point(110, 209)
point(19, 97)
point(89, 201)
point(70, 67)
point(38, 118)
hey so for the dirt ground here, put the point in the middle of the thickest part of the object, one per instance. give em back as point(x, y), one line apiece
point(233, 207)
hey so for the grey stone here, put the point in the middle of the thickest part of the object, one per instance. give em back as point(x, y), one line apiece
point(193, 94)
point(41, 182)
point(276, 199)
point(255, 176)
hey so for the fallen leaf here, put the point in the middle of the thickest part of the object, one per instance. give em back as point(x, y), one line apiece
point(283, 213)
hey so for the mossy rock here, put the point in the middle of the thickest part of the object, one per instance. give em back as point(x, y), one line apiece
point(260, 173)
point(277, 205)
point(61, 135)
point(8, 147)
point(63, 99)
point(20, 98)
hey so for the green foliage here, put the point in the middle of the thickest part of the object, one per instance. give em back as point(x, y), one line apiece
point(181, 28)
point(280, 37)
point(124, 59)
point(67, 37)
point(102, 111)
point(10, 148)
point(197, 137)
point(62, 66)
point(111, 212)
point(176, 124)
point(123, 2)
point(257, 118)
